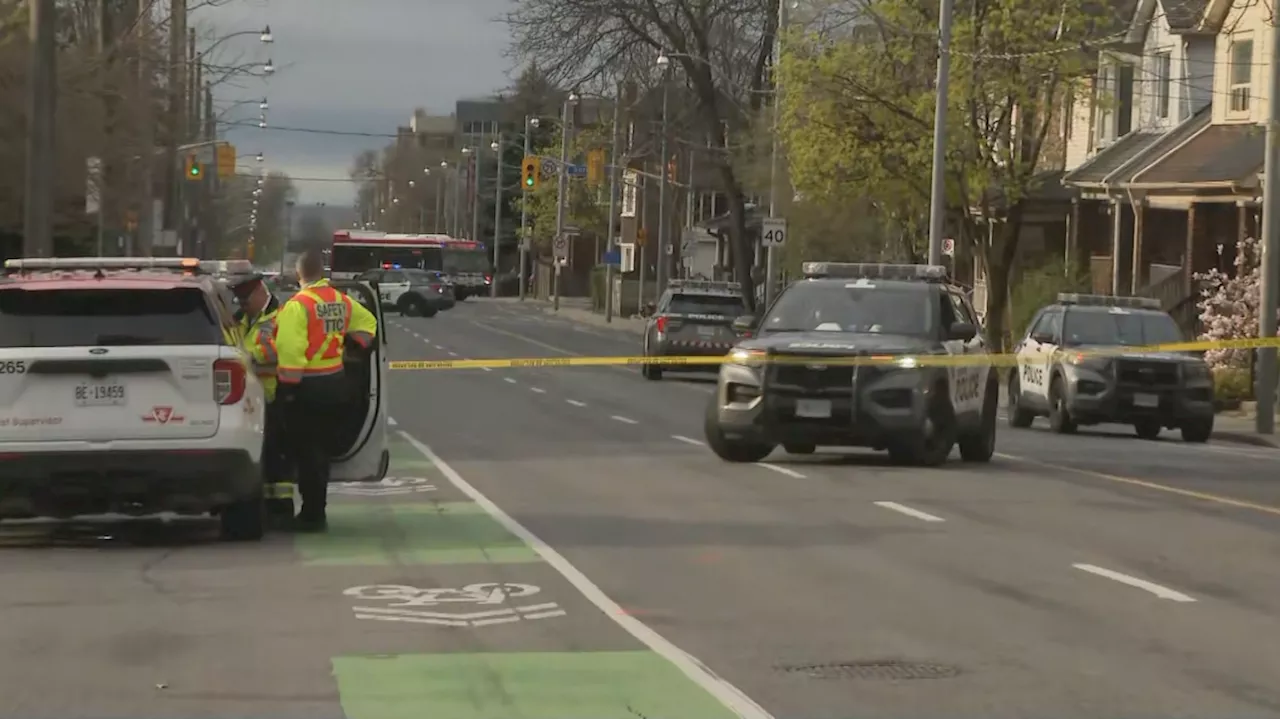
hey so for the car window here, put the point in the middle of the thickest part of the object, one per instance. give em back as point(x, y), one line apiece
point(370, 276)
point(964, 313)
point(1050, 324)
point(691, 304)
point(103, 316)
point(1116, 326)
point(392, 278)
point(906, 309)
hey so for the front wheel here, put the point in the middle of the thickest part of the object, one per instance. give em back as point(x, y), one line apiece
point(981, 444)
point(1147, 429)
point(1198, 430)
point(933, 445)
point(731, 450)
point(1019, 416)
point(1060, 420)
point(651, 372)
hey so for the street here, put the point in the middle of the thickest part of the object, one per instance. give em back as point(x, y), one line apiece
point(560, 544)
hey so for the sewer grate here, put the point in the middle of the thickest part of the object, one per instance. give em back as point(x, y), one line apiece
point(884, 669)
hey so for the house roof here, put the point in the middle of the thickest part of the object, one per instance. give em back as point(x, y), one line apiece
point(1183, 15)
point(1096, 170)
point(1217, 155)
point(1119, 168)
point(1043, 187)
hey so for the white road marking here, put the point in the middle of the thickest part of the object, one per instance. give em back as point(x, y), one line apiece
point(626, 420)
point(391, 421)
point(576, 403)
point(727, 694)
point(781, 470)
point(1156, 589)
point(539, 390)
point(487, 369)
point(909, 511)
point(509, 379)
point(688, 440)
point(453, 354)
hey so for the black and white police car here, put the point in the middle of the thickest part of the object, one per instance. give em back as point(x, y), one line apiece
point(693, 318)
point(842, 358)
point(1083, 362)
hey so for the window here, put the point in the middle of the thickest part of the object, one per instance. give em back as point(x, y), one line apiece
point(1241, 78)
point(1048, 327)
point(106, 317)
point(901, 309)
point(1106, 328)
point(690, 304)
point(1161, 71)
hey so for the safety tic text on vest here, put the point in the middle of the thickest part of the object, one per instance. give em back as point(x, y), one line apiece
point(334, 316)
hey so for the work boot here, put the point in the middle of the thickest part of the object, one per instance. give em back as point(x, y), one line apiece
point(310, 522)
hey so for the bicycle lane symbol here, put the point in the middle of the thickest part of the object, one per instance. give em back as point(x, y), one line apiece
point(386, 487)
point(405, 603)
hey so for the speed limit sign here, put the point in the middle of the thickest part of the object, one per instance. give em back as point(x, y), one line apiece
point(773, 232)
point(948, 246)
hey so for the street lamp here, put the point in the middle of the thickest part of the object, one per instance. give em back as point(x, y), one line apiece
point(663, 61)
point(261, 157)
point(663, 264)
point(562, 188)
point(262, 121)
point(495, 146)
point(534, 122)
point(270, 67)
point(267, 37)
point(264, 105)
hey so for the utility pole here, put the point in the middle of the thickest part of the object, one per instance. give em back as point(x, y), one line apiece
point(1270, 290)
point(37, 224)
point(771, 252)
point(476, 161)
point(497, 216)
point(176, 120)
point(439, 227)
point(103, 41)
point(524, 212)
point(141, 245)
point(613, 205)
point(562, 187)
point(662, 262)
point(938, 192)
point(457, 203)
point(287, 234)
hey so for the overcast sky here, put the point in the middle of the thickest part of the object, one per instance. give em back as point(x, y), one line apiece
point(354, 67)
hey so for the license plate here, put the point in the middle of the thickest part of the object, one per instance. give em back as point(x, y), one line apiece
point(813, 408)
point(99, 394)
point(1146, 400)
point(706, 331)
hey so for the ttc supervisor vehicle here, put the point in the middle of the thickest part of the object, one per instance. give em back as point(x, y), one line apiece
point(841, 359)
point(692, 318)
point(126, 392)
point(1073, 367)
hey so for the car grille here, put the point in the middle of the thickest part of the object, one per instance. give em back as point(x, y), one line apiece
point(1146, 373)
point(814, 377)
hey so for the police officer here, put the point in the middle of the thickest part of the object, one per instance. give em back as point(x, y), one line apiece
point(311, 333)
point(257, 318)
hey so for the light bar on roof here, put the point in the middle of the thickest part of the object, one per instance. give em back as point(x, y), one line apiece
point(874, 271)
point(227, 267)
point(705, 285)
point(103, 263)
point(1075, 298)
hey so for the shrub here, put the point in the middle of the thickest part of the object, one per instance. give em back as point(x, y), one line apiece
point(1229, 305)
point(1231, 384)
point(1039, 286)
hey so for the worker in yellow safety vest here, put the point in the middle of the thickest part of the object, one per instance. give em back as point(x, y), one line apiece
point(257, 323)
point(312, 330)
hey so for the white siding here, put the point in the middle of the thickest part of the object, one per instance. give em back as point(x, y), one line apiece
point(1247, 20)
point(1080, 133)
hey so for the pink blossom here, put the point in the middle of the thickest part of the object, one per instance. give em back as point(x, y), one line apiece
point(1229, 305)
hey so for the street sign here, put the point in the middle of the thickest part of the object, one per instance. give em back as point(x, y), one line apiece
point(613, 257)
point(773, 232)
point(949, 247)
point(561, 247)
point(577, 170)
point(549, 168)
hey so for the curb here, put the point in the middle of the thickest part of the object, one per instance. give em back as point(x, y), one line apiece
point(1245, 438)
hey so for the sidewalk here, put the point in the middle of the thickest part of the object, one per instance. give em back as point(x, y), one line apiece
point(1238, 428)
point(578, 309)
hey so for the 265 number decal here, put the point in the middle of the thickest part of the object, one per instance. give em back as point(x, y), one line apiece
point(13, 367)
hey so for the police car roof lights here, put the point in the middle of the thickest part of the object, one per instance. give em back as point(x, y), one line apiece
point(1141, 303)
point(103, 263)
point(227, 267)
point(704, 286)
point(874, 271)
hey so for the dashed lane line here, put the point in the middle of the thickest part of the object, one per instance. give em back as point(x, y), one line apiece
point(509, 380)
point(391, 422)
point(688, 440)
point(537, 390)
point(624, 420)
point(576, 403)
point(909, 511)
point(1156, 589)
point(781, 470)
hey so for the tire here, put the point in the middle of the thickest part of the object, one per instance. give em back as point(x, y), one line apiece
point(981, 445)
point(1198, 430)
point(409, 307)
point(932, 448)
point(651, 372)
point(1059, 416)
point(1019, 416)
point(1147, 429)
point(731, 450)
point(243, 521)
point(800, 448)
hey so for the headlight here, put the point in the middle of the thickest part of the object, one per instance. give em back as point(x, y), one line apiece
point(1093, 362)
point(751, 358)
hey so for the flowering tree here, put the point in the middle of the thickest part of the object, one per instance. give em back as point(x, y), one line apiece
point(1229, 305)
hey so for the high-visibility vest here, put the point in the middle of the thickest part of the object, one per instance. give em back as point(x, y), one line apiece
point(311, 331)
point(260, 343)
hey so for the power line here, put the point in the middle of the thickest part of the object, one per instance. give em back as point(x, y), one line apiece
point(310, 130)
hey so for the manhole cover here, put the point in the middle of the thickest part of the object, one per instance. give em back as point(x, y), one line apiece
point(887, 669)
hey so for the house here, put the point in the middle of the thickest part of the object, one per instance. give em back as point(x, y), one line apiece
point(1174, 150)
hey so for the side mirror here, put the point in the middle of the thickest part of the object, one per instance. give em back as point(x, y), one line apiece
point(962, 331)
point(745, 324)
point(1043, 338)
point(648, 309)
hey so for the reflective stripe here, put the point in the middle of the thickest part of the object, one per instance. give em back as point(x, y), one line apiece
point(328, 318)
point(364, 339)
point(289, 375)
point(279, 490)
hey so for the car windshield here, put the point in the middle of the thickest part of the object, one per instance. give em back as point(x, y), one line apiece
point(899, 309)
point(95, 317)
point(724, 305)
point(1116, 326)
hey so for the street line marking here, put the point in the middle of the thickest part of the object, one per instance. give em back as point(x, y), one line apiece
point(1131, 481)
point(626, 420)
point(539, 390)
point(576, 403)
point(1156, 589)
point(453, 354)
point(727, 694)
point(781, 470)
point(509, 379)
point(391, 421)
point(688, 440)
point(909, 511)
point(487, 369)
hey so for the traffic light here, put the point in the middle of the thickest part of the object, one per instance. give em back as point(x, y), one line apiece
point(529, 171)
point(595, 167)
point(194, 171)
point(226, 160)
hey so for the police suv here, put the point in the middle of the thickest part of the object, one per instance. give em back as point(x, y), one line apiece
point(1083, 362)
point(125, 392)
point(842, 358)
point(692, 318)
point(412, 292)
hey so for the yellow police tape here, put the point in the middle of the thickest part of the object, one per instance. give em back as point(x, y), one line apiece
point(752, 358)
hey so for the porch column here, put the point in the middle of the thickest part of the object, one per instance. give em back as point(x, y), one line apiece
point(1139, 209)
point(1187, 252)
point(1072, 252)
point(1117, 232)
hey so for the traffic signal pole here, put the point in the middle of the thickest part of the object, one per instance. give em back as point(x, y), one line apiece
point(524, 214)
point(497, 217)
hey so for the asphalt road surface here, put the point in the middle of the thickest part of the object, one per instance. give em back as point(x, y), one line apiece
point(559, 544)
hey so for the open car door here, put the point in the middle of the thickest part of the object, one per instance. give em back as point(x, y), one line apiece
point(360, 451)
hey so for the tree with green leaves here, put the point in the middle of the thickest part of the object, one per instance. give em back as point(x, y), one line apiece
point(858, 115)
point(586, 207)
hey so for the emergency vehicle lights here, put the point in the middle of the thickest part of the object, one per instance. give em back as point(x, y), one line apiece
point(103, 263)
point(1074, 298)
point(873, 271)
point(705, 285)
point(226, 267)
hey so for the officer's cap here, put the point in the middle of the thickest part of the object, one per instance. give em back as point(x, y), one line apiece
point(243, 284)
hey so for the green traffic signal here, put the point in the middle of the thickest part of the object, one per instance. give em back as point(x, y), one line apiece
point(528, 181)
point(195, 170)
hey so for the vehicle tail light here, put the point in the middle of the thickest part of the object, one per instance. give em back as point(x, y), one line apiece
point(437, 288)
point(229, 378)
point(488, 279)
point(662, 324)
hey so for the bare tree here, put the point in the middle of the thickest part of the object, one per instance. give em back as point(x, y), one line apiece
point(722, 47)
